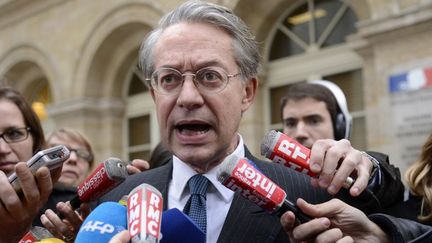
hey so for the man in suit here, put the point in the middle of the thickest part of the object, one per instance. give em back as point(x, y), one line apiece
point(202, 67)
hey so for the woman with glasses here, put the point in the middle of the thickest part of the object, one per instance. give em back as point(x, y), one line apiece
point(75, 170)
point(21, 136)
point(77, 167)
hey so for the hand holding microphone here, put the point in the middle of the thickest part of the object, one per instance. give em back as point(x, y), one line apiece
point(137, 166)
point(334, 161)
point(140, 216)
point(105, 177)
point(239, 175)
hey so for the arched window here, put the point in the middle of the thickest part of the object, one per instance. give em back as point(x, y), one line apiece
point(311, 25)
point(40, 97)
point(309, 42)
point(137, 85)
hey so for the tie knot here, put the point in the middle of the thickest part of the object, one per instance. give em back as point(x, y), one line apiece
point(198, 184)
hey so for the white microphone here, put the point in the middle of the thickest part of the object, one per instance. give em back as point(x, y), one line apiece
point(144, 214)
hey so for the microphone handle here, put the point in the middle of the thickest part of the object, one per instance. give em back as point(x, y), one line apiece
point(75, 202)
point(290, 206)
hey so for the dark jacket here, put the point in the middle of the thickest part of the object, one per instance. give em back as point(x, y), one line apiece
point(403, 230)
point(60, 193)
point(391, 190)
point(409, 209)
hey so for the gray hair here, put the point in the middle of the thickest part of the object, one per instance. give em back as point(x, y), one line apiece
point(246, 53)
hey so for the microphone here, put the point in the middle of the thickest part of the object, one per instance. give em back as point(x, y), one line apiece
point(105, 221)
point(239, 175)
point(105, 177)
point(284, 150)
point(34, 234)
point(177, 227)
point(144, 212)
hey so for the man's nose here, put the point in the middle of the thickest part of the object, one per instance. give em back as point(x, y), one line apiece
point(302, 130)
point(189, 96)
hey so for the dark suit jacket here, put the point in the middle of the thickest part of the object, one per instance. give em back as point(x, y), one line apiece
point(245, 221)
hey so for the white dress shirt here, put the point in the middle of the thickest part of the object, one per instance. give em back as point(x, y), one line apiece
point(219, 198)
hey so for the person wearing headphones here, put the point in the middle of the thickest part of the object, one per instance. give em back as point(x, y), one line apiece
point(315, 114)
point(315, 110)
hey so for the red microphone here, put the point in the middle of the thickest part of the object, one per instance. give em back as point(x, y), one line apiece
point(105, 177)
point(282, 149)
point(144, 212)
point(35, 233)
point(239, 175)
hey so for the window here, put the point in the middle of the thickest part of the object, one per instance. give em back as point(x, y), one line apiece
point(137, 85)
point(309, 43)
point(139, 137)
point(141, 133)
point(312, 25)
point(351, 84)
point(40, 96)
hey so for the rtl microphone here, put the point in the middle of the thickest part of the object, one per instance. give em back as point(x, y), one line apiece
point(239, 175)
point(177, 227)
point(105, 177)
point(144, 212)
point(105, 221)
point(34, 234)
point(284, 150)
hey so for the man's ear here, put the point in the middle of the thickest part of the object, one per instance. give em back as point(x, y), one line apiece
point(152, 94)
point(249, 92)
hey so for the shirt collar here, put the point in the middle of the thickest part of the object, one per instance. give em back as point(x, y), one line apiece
point(182, 172)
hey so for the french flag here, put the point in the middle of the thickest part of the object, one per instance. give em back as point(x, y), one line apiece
point(415, 79)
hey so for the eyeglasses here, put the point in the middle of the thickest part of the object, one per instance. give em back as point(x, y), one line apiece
point(207, 80)
point(15, 135)
point(82, 153)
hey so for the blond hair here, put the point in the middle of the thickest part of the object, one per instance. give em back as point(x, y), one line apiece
point(73, 135)
point(419, 179)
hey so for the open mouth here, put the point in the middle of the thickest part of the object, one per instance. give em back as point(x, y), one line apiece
point(192, 129)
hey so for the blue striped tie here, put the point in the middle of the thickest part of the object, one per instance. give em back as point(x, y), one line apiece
point(196, 205)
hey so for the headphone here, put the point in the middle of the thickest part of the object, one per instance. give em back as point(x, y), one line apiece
point(343, 122)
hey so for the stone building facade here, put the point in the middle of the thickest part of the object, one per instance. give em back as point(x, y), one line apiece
point(78, 58)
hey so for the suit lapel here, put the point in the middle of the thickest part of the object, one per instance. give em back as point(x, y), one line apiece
point(247, 222)
point(161, 181)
